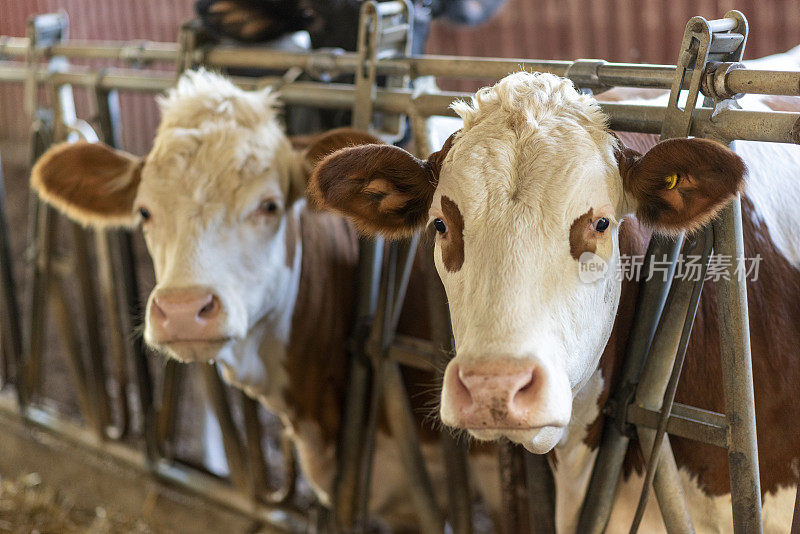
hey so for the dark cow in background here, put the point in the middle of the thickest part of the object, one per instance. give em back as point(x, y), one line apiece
point(330, 23)
point(247, 274)
point(531, 185)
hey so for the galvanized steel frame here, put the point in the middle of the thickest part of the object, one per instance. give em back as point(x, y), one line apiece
point(380, 294)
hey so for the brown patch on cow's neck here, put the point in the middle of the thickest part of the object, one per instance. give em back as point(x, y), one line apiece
point(774, 338)
point(453, 240)
point(579, 239)
point(316, 361)
point(632, 241)
point(291, 236)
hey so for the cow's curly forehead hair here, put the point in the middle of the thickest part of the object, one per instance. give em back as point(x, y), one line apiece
point(202, 96)
point(534, 101)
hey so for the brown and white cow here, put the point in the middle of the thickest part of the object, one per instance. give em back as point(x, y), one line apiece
point(247, 275)
point(532, 182)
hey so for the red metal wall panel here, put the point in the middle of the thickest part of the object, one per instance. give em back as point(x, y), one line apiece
point(156, 20)
point(642, 31)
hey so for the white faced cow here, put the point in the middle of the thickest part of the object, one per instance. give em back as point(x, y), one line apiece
point(246, 274)
point(532, 181)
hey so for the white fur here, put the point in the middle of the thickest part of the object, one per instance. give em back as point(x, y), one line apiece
point(219, 151)
point(533, 156)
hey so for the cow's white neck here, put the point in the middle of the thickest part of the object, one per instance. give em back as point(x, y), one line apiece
point(256, 363)
point(574, 459)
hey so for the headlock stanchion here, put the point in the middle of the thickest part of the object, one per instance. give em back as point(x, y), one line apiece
point(641, 399)
point(380, 99)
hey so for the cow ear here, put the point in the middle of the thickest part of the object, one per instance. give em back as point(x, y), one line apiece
point(382, 188)
point(310, 150)
point(91, 183)
point(680, 184)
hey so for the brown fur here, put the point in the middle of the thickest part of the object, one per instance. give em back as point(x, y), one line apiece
point(579, 240)
point(633, 239)
point(453, 240)
point(91, 182)
point(317, 359)
point(774, 338)
point(343, 182)
point(314, 148)
point(709, 174)
point(329, 142)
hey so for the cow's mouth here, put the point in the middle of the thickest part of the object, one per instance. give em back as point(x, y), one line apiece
point(194, 350)
point(539, 440)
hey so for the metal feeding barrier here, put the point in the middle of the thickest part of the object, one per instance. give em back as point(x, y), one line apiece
point(380, 97)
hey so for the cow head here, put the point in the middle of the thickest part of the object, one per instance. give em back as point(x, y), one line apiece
point(529, 192)
point(217, 199)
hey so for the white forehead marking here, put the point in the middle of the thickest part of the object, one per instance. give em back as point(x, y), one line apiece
point(528, 132)
point(216, 145)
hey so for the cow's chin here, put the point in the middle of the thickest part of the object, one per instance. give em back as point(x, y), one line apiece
point(535, 440)
point(194, 350)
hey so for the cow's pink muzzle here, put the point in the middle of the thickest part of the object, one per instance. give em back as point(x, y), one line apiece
point(185, 314)
point(503, 394)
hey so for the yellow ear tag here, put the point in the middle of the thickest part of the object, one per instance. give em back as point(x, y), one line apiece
point(672, 181)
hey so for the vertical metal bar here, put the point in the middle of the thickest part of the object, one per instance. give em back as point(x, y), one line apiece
point(107, 245)
point(72, 348)
point(455, 450)
point(255, 454)
point(512, 474)
point(599, 499)
point(541, 494)
point(88, 295)
point(459, 491)
point(656, 393)
point(737, 373)
point(404, 432)
point(348, 487)
point(398, 407)
point(174, 375)
point(43, 230)
point(116, 330)
point(144, 380)
point(12, 330)
point(234, 450)
point(369, 27)
point(456, 453)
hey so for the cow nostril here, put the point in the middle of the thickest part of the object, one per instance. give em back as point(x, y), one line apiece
point(528, 385)
point(157, 311)
point(210, 309)
point(528, 390)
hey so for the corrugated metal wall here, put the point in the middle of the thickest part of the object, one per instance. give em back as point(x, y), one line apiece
point(641, 31)
point(156, 20)
point(616, 30)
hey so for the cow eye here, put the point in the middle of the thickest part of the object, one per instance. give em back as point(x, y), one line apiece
point(440, 226)
point(144, 213)
point(601, 224)
point(268, 207)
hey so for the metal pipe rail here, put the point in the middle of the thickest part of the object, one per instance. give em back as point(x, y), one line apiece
point(775, 126)
point(608, 74)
